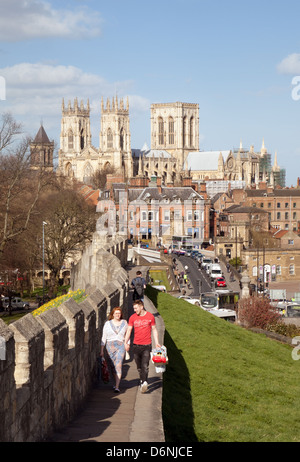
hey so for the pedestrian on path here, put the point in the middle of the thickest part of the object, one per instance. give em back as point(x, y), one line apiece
point(139, 285)
point(113, 338)
point(143, 324)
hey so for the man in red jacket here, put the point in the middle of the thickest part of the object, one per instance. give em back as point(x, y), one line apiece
point(143, 324)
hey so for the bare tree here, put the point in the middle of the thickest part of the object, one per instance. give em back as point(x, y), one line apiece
point(20, 186)
point(71, 222)
point(99, 178)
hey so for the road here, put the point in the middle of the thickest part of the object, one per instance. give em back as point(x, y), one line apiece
point(199, 279)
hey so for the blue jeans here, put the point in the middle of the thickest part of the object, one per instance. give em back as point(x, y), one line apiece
point(141, 354)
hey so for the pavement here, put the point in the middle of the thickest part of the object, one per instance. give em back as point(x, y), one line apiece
point(127, 417)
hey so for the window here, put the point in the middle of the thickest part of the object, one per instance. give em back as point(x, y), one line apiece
point(191, 131)
point(286, 215)
point(122, 139)
point(269, 205)
point(294, 215)
point(144, 216)
point(278, 216)
point(291, 241)
point(294, 205)
point(286, 205)
point(109, 139)
point(171, 130)
point(262, 204)
point(278, 205)
point(189, 215)
point(167, 215)
point(70, 140)
point(196, 215)
point(177, 215)
point(292, 269)
point(150, 216)
point(160, 131)
point(184, 140)
point(278, 270)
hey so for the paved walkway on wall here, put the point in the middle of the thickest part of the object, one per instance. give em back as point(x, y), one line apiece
point(128, 416)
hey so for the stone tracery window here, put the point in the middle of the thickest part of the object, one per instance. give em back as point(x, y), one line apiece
point(184, 132)
point(122, 139)
point(171, 131)
point(70, 140)
point(191, 131)
point(82, 140)
point(110, 143)
point(160, 131)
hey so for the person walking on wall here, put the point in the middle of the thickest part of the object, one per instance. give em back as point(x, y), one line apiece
point(139, 285)
point(143, 324)
point(113, 337)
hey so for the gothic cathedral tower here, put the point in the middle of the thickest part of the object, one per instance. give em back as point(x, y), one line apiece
point(75, 141)
point(175, 128)
point(115, 143)
point(75, 127)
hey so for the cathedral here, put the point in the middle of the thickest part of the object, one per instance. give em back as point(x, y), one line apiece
point(174, 153)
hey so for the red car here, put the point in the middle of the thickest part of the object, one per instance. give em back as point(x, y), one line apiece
point(221, 282)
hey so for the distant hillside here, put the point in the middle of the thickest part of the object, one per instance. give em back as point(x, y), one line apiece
point(224, 383)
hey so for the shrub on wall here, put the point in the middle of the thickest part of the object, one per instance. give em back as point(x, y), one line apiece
point(257, 312)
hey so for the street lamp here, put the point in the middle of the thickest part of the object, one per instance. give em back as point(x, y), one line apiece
point(44, 223)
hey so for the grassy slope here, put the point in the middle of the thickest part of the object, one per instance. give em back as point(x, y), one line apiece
point(224, 383)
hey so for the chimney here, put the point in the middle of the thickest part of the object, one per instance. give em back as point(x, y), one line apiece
point(202, 190)
point(262, 185)
point(158, 184)
point(139, 182)
point(187, 181)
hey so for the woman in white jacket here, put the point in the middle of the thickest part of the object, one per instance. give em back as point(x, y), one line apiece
point(113, 336)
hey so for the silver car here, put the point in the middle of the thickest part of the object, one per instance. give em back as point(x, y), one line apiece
point(16, 303)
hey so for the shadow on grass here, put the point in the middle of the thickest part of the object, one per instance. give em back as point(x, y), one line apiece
point(177, 409)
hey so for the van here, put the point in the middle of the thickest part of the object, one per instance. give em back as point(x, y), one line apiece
point(206, 261)
point(215, 271)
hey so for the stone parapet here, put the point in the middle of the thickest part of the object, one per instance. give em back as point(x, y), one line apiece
point(48, 363)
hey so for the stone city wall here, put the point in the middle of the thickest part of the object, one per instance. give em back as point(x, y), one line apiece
point(48, 363)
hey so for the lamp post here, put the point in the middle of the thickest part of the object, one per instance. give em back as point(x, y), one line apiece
point(44, 223)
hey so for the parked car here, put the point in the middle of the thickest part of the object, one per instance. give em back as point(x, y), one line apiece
point(16, 303)
point(221, 282)
point(193, 301)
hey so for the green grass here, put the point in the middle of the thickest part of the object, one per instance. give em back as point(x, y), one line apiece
point(224, 383)
point(160, 278)
point(8, 319)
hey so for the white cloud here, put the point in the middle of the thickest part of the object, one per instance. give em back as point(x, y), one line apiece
point(290, 64)
point(36, 90)
point(31, 19)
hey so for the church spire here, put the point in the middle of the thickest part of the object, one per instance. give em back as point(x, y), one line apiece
point(263, 148)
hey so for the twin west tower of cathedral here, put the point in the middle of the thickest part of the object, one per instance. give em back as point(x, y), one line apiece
point(78, 157)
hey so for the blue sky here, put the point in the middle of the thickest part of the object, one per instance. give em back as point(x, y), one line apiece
point(235, 59)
